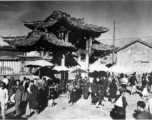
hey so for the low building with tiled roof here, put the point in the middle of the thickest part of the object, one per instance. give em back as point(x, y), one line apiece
point(135, 53)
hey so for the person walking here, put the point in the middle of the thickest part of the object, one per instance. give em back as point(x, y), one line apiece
point(120, 105)
point(18, 97)
point(112, 91)
point(85, 88)
point(94, 92)
point(133, 81)
point(124, 81)
point(52, 95)
point(11, 89)
point(145, 86)
point(3, 99)
point(33, 97)
point(5, 80)
point(105, 85)
point(73, 96)
point(100, 93)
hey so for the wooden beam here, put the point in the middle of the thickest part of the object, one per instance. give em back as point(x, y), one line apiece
point(87, 56)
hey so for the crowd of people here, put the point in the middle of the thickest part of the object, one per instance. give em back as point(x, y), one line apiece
point(33, 95)
point(114, 88)
point(27, 95)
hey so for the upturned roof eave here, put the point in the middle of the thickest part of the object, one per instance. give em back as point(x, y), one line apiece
point(57, 15)
point(34, 26)
point(55, 42)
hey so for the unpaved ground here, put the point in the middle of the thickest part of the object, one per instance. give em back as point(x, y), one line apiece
point(81, 110)
point(84, 110)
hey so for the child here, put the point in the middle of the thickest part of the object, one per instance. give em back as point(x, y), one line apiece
point(143, 115)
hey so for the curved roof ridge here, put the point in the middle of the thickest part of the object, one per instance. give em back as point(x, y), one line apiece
point(57, 15)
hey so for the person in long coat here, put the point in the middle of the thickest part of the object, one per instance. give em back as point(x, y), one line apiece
point(94, 91)
point(105, 84)
point(112, 90)
point(11, 89)
point(85, 88)
point(100, 93)
point(18, 97)
point(52, 95)
point(145, 87)
point(73, 96)
point(133, 81)
point(33, 97)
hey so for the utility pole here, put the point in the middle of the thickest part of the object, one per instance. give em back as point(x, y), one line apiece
point(113, 55)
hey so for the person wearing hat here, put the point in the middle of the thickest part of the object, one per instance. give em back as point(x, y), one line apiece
point(120, 105)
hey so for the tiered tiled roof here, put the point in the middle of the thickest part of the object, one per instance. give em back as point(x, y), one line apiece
point(34, 36)
point(58, 16)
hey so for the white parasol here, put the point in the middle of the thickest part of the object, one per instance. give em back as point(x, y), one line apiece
point(98, 67)
point(39, 63)
point(60, 68)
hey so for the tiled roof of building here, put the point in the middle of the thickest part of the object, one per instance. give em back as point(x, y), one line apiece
point(58, 16)
point(34, 36)
point(125, 42)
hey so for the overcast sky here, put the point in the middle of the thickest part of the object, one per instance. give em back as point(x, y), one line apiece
point(133, 18)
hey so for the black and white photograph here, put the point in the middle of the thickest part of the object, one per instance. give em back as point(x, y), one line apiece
point(76, 60)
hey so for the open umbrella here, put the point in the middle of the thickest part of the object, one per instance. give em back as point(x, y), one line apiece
point(98, 74)
point(102, 73)
point(98, 67)
point(60, 68)
point(45, 71)
point(120, 69)
point(94, 74)
point(39, 63)
point(79, 70)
